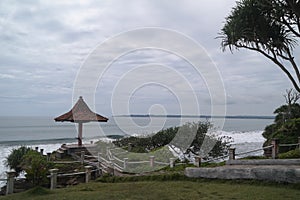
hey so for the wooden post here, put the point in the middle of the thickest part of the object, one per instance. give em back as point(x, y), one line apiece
point(197, 161)
point(231, 153)
point(299, 142)
point(125, 163)
point(129, 146)
point(110, 168)
point(10, 182)
point(152, 161)
point(99, 157)
point(88, 170)
point(53, 177)
point(37, 148)
point(99, 172)
point(48, 157)
point(107, 152)
point(275, 148)
point(82, 154)
point(42, 151)
point(172, 162)
point(80, 134)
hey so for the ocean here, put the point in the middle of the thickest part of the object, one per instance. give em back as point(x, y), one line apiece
point(45, 133)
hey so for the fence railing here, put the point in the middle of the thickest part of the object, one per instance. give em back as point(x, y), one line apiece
point(121, 164)
point(275, 145)
point(54, 175)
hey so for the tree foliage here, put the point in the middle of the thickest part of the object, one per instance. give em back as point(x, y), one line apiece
point(270, 27)
point(36, 167)
point(284, 113)
point(165, 137)
point(15, 158)
point(286, 126)
point(32, 162)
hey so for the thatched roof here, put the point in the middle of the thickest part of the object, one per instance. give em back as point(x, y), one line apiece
point(81, 113)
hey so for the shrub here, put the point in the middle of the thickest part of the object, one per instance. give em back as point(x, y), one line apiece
point(15, 158)
point(290, 154)
point(36, 168)
point(286, 126)
point(288, 133)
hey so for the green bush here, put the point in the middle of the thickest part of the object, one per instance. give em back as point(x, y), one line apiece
point(36, 168)
point(288, 133)
point(14, 159)
point(286, 127)
point(290, 154)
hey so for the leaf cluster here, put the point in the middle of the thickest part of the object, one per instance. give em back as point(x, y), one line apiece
point(262, 25)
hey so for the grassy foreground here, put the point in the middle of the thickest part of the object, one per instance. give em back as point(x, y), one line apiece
point(184, 189)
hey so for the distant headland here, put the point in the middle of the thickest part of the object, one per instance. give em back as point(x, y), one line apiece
point(200, 116)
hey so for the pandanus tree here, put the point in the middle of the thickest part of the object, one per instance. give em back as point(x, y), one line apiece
point(270, 27)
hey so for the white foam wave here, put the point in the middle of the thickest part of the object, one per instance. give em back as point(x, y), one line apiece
point(244, 137)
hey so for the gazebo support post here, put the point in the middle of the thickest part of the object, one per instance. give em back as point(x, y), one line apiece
point(80, 134)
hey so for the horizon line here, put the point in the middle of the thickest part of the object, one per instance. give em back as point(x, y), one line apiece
point(199, 116)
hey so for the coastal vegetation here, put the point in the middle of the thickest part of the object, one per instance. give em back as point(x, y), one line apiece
point(290, 154)
point(286, 126)
point(31, 162)
point(169, 136)
point(14, 159)
point(36, 167)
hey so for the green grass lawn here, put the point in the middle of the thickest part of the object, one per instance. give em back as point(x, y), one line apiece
point(202, 189)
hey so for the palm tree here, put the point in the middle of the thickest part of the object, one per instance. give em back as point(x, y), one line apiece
point(270, 27)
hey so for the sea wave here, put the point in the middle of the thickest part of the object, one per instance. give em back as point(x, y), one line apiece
point(244, 137)
point(52, 140)
point(32, 142)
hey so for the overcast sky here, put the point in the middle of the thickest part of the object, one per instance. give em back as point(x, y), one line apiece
point(43, 44)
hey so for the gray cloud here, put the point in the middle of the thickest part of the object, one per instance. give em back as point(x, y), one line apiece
point(44, 43)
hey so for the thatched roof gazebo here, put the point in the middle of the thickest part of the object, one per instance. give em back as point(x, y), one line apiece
point(80, 113)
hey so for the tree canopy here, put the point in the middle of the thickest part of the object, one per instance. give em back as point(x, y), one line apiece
point(14, 159)
point(270, 27)
point(166, 136)
point(286, 126)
